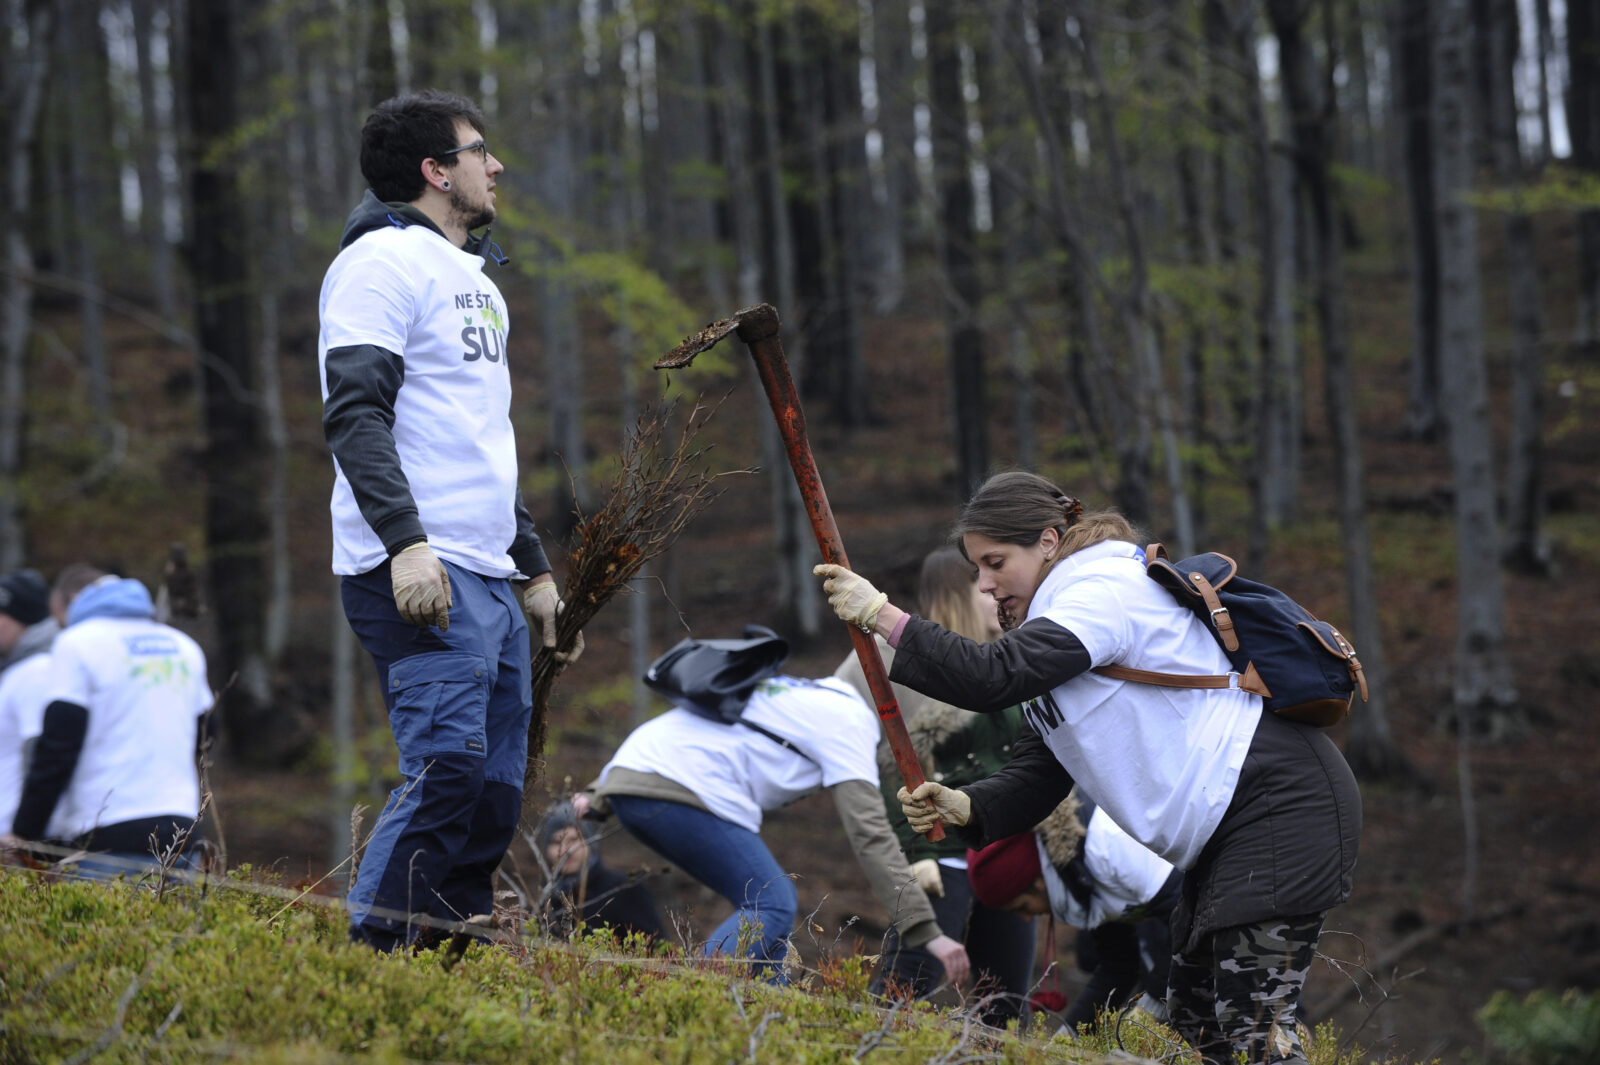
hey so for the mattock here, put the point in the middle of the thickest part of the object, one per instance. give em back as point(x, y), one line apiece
point(758, 327)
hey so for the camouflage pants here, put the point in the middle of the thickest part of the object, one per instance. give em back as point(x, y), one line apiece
point(1239, 993)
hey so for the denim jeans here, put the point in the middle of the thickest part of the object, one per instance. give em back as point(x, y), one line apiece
point(459, 704)
point(108, 865)
point(731, 861)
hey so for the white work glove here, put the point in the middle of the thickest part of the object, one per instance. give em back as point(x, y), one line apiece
point(852, 597)
point(932, 803)
point(543, 604)
point(928, 878)
point(421, 586)
point(953, 956)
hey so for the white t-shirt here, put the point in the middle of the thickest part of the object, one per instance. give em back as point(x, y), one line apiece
point(144, 685)
point(23, 698)
point(739, 773)
point(412, 292)
point(1126, 875)
point(1162, 762)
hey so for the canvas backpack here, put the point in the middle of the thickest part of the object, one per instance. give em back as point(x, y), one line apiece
point(1303, 669)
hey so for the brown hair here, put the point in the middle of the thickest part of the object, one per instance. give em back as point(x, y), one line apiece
point(1016, 507)
point(71, 580)
point(944, 592)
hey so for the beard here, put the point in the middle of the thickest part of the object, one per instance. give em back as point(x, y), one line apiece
point(470, 215)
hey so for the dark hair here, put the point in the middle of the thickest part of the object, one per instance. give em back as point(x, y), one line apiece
point(1016, 507)
point(403, 131)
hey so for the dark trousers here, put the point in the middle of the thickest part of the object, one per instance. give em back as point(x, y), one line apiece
point(999, 943)
point(459, 705)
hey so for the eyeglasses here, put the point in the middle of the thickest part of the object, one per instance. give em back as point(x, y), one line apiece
point(476, 146)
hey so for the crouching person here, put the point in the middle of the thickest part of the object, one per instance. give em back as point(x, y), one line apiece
point(584, 893)
point(742, 739)
point(1080, 867)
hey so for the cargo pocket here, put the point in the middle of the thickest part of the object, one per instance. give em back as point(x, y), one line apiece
point(439, 700)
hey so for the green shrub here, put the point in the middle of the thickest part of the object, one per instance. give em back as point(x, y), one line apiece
point(1544, 1028)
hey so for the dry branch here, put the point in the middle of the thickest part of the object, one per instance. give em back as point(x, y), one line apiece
point(657, 492)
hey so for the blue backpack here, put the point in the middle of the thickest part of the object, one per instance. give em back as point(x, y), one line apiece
point(1304, 669)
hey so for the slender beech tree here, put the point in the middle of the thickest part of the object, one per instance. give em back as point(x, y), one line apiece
point(26, 54)
point(962, 291)
point(1485, 694)
point(1414, 85)
point(1371, 748)
point(1526, 548)
point(230, 402)
point(1583, 124)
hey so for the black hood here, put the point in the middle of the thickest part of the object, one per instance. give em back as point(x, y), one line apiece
point(372, 213)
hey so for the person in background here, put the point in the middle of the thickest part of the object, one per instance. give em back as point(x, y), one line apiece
point(743, 738)
point(584, 892)
point(26, 627)
point(1260, 812)
point(121, 736)
point(23, 695)
point(1079, 867)
point(438, 556)
point(955, 747)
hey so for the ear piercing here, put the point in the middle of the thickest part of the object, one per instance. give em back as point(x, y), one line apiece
point(445, 185)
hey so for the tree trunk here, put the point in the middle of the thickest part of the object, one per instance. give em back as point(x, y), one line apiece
point(798, 596)
point(836, 159)
point(1413, 24)
point(1016, 241)
point(1151, 401)
point(688, 231)
point(1583, 123)
point(153, 193)
point(233, 439)
point(22, 77)
point(1544, 48)
point(896, 188)
point(556, 168)
point(84, 71)
point(1485, 696)
point(963, 296)
point(1526, 548)
point(1370, 746)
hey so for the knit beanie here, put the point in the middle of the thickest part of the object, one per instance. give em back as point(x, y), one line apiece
point(25, 596)
point(1004, 869)
point(562, 815)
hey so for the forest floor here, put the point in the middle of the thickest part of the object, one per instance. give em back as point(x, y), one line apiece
point(1467, 884)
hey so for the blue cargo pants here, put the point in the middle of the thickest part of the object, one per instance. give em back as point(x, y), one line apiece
point(459, 704)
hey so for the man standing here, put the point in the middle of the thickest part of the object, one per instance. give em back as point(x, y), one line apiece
point(438, 554)
point(26, 627)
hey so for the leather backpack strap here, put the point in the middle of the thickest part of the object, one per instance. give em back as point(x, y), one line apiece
point(1219, 613)
point(1249, 680)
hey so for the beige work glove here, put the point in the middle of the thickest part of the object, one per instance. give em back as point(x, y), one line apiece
point(932, 803)
point(543, 604)
point(928, 878)
point(852, 597)
point(421, 586)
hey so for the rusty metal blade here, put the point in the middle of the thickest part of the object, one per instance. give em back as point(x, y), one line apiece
point(695, 343)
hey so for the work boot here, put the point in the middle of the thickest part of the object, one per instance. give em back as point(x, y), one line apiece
point(479, 926)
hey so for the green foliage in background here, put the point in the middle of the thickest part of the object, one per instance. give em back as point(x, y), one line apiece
point(1544, 1028)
